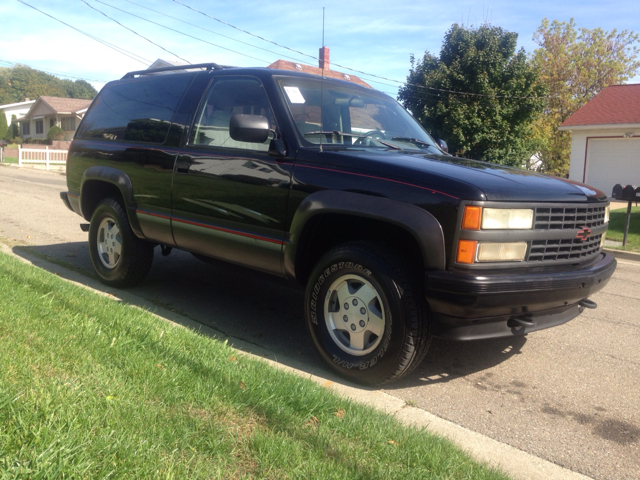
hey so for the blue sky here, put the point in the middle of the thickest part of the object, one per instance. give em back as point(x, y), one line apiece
point(376, 36)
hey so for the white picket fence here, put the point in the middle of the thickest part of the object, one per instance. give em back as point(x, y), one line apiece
point(42, 156)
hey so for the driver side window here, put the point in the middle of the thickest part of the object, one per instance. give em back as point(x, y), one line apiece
point(225, 98)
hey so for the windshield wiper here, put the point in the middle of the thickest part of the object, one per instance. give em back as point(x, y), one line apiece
point(344, 134)
point(413, 140)
point(332, 132)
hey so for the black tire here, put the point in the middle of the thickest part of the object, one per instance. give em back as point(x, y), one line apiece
point(366, 314)
point(119, 258)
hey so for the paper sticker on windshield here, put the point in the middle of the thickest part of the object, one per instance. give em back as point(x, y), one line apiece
point(294, 94)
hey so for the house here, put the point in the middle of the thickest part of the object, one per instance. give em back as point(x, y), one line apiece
point(46, 112)
point(321, 69)
point(18, 109)
point(605, 143)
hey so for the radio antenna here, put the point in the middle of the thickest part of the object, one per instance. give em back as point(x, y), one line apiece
point(322, 83)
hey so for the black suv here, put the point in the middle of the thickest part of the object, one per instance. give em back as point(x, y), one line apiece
point(336, 187)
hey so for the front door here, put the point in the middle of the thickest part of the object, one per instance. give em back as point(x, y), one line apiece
point(229, 198)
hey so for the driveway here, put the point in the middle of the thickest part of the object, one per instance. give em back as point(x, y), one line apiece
point(569, 394)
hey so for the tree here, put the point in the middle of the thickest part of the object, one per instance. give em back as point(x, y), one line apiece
point(479, 95)
point(12, 131)
point(79, 89)
point(22, 82)
point(575, 66)
point(3, 124)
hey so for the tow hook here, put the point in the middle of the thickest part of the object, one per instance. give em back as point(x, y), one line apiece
point(521, 322)
point(586, 303)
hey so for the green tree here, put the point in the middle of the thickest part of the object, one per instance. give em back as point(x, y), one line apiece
point(20, 82)
point(479, 95)
point(3, 124)
point(13, 130)
point(79, 89)
point(575, 65)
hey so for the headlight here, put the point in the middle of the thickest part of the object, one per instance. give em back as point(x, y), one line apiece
point(606, 214)
point(475, 218)
point(502, 252)
point(507, 218)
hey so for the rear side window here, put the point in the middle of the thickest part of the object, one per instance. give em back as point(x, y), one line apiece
point(138, 110)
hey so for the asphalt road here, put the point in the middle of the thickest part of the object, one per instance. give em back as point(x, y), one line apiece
point(570, 394)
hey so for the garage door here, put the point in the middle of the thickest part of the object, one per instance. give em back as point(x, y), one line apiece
point(611, 161)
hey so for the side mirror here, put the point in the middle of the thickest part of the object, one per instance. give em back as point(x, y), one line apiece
point(249, 128)
point(443, 146)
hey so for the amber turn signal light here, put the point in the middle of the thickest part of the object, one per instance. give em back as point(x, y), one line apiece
point(471, 218)
point(467, 251)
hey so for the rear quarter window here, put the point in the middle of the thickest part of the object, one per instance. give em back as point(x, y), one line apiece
point(136, 110)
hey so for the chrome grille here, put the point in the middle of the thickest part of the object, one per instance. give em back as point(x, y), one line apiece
point(568, 218)
point(564, 249)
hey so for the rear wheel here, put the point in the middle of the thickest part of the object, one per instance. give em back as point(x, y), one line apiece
point(119, 257)
point(366, 314)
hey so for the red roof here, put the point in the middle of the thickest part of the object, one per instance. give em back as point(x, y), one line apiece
point(300, 67)
point(615, 104)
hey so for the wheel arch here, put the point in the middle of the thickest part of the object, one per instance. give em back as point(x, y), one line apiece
point(100, 182)
point(411, 229)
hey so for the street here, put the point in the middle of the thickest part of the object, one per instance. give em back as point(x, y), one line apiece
point(569, 394)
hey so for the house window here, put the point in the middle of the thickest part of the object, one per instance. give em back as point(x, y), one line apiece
point(52, 122)
point(26, 128)
point(68, 124)
point(39, 127)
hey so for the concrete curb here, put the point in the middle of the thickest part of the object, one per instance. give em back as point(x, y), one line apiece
point(516, 463)
point(623, 255)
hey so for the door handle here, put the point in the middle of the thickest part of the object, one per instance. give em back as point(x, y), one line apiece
point(182, 167)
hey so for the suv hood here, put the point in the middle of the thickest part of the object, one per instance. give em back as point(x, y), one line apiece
point(497, 183)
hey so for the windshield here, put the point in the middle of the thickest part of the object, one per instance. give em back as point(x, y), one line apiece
point(351, 117)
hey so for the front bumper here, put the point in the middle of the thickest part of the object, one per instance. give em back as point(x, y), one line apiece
point(474, 305)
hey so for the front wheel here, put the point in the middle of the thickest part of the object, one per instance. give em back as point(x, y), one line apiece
point(119, 258)
point(365, 313)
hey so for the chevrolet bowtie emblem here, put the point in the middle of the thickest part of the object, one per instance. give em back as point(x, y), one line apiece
point(583, 234)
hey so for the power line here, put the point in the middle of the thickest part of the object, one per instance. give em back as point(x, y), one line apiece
point(182, 33)
point(344, 66)
point(205, 29)
point(245, 31)
point(105, 43)
point(129, 54)
point(136, 33)
point(51, 72)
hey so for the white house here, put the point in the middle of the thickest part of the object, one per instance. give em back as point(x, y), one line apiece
point(605, 142)
point(18, 109)
point(46, 112)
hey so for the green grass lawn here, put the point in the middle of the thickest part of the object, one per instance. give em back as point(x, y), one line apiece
point(93, 388)
point(617, 221)
point(10, 160)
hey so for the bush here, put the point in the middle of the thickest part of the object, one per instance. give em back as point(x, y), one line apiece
point(36, 141)
point(55, 133)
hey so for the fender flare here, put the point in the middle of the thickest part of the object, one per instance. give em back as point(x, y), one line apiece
point(122, 182)
point(422, 225)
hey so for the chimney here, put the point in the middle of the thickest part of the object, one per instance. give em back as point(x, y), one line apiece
point(323, 60)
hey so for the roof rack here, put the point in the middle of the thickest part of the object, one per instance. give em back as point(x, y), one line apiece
point(207, 66)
